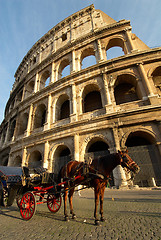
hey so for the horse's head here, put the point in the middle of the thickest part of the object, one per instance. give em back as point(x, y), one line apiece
point(127, 162)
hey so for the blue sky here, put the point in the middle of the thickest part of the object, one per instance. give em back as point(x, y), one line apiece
point(24, 22)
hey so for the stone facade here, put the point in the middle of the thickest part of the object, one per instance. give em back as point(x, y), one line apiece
point(61, 108)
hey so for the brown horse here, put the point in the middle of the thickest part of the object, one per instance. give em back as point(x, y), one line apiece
point(96, 175)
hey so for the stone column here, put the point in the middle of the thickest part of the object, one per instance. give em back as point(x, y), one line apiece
point(73, 68)
point(36, 83)
point(53, 79)
point(101, 58)
point(145, 79)
point(108, 98)
point(48, 120)
point(46, 153)
point(7, 133)
point(24, 157)
point(28, 131)
point(141, 89)
point(76, 147)
point(74, 115)
point(128, 35)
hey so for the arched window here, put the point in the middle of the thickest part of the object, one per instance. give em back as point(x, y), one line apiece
point(64, 68)
point(62, 156)
point(40, 116)
point(19, 97)
point(92, 101)
point(125, 89)
point(45, 79)
point(115, 48)
point(157, 79)
point(62, 107)
point(11, 130)
point(88, 58)
point(125, 92)
point(88, 61)
point(98, 146)
point(66, 71)
point(114, 52)
point(65, 110)
point(143, 150)
point(29, 88)
point(23, 121)
point(35, 160)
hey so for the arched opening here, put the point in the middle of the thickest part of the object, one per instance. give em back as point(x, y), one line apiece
point(125, 89)
point(88, 61)
point(4, 133)
point(115, 48)
point(35, 160)
point(62, 107)
point(61, 157)
point(45, 79)
point(91, 98)
point(29, 88)
point(114, 52)
point(99, 148)
point(64, 69)
point(19, 97)
point(17, 162)
point(40, 116)
point(88, 58)
point(92, 101)
point(11, 130)
point(143, 150)
point(23, 124)
point(156, 75)
point(65, 110)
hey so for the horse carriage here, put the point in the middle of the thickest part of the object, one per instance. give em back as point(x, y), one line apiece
point(44, 187)
point(29, 190)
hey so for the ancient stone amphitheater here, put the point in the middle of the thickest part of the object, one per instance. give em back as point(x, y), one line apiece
point(71, 100)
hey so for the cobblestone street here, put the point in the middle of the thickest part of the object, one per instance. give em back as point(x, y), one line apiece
point(130, 214)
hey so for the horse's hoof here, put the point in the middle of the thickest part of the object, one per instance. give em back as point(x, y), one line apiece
point(97, 222)
point(102, 219)
point(66, 218)
point(73, 216)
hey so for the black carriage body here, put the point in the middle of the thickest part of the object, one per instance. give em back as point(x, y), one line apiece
point(15, 181)
point(10, 182)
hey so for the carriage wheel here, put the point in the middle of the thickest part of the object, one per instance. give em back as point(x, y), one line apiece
point(18, 200)
point(27, 206)
point(53, 203)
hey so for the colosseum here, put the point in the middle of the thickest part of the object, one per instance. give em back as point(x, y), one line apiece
point(70, 100)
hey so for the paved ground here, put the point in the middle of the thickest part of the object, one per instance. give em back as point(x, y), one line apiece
point(130, 214)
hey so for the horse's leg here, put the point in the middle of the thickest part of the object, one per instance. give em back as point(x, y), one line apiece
point(101, 203)
point(96, 191)
point(65, 204)
point(71, 202)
